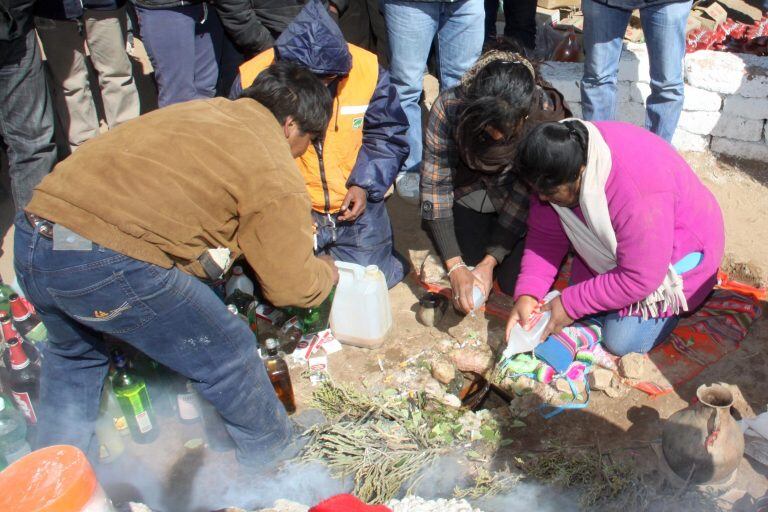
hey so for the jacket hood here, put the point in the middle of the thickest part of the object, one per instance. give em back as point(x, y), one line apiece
point(314, 40)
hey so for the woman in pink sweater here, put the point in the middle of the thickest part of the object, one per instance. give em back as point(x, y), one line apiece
point(647, 234)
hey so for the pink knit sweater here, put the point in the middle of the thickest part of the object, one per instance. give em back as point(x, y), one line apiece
point(660, 212)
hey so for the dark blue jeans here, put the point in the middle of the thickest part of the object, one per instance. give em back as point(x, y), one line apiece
point(367, 241)
point(171, 316)
point(26, 116)
point(185, 46)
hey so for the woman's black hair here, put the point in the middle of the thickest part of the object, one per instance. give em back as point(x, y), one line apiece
point(288, 89)
point(498, 96)
point(552, 154)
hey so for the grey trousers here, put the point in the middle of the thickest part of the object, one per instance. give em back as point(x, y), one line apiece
point(65, 48)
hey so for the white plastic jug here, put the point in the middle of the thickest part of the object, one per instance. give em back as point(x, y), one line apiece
point(239, 281)
point(361, 314)
point(524, 340)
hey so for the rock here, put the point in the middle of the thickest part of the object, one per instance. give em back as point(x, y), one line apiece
point(443, 371)
point(600, 378)
point(751, 108)
point(632, 366)
point(617, 389)
point(469, 329)
point(631, 112)
point(687, 141)
point(432, 388)
point(445, 346)
point(451, 400)
point(757, 151)
point(286, 506)
point(728, 73)
point(634, 65)
point(565, 77)
point(432, 269)
point(473, 359)
point(700, 123)
point(739, 128)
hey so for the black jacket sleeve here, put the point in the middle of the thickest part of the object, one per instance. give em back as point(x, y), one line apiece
point(243, 26)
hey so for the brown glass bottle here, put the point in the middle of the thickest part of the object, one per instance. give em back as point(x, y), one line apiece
point(568, 50)
point(277, 369)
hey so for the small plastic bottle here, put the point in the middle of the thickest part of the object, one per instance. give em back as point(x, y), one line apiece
point(239, 281)
point(524, 339)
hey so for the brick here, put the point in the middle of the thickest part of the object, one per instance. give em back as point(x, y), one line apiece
point(757, 151)
point(700, 123)
point(631, 112)
point(739, 128)
point(634, 66)
point(765, 133)
point(695, 99)
point(701, 100)
point(750, 108)
point(565, 77)
point(623, 94)
point(728, 73)
point(684, 140)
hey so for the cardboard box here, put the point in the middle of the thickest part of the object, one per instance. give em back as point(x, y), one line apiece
point(554, 4)
point(710, 16)
point(547, 16)
point(575, 20)
point(741, 11)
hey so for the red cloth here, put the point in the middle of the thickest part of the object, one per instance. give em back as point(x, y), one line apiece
point(347, 503)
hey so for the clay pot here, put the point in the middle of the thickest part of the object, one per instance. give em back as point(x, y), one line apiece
point(703, 440)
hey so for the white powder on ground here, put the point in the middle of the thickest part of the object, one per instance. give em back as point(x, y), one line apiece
point(416, 504)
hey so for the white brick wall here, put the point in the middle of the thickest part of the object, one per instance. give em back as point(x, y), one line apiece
point(725, 107)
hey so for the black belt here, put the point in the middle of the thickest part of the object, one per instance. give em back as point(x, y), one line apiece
point(41, 225)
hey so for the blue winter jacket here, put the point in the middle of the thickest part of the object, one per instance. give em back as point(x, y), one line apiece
point(315, 41)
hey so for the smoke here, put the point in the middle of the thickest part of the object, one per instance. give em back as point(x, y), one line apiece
point(528, 496)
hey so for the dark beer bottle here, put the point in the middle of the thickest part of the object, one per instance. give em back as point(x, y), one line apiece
point(277, 369)
point(131, 392)
point(26, 322)
point(23, 379)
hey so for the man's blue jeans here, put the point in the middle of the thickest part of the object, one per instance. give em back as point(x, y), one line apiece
point(26, 116)
point(623, 335)
point(411, 28)
point(170, 316)
point(185, 46)
point(664, 29)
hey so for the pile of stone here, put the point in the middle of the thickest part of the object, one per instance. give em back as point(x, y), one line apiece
point(726, 99)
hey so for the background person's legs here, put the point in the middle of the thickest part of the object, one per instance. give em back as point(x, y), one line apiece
point(26, 116)
point(105, 33)
point(209, 38)
point(520, 21)
point(169, 38)
point(65, 51)
point(624, 335)
point(664, 29)
point(459, 39)
point(411, 28)
point(604, 29)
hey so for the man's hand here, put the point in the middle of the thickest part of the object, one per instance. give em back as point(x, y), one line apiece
point(354, 203)
point(329, 260)
point(524, 307)
point(559, 318)
point(483, 273)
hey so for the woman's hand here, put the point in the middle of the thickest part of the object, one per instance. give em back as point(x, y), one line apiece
point(483, 273)
point(559, 318)
point(524, 307)
point(462, 281)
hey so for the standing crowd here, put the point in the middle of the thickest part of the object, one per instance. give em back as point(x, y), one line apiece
point(291, 165)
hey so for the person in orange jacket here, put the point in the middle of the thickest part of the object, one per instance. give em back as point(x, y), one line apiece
point(348, 171)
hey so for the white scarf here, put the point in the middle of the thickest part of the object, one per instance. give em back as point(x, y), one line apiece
point(596, 243)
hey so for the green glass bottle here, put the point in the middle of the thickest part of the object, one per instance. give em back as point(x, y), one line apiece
point(316, 319)
point(5, 297)
point(132, 396)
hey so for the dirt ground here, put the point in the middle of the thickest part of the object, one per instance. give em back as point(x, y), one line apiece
point(633, 422)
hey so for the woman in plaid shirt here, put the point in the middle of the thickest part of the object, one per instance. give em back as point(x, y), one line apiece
point(471, 198)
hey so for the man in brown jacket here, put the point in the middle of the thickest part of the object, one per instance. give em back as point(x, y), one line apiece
point(120, 238)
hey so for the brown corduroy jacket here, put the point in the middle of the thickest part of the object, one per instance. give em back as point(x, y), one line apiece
point(171, 184)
